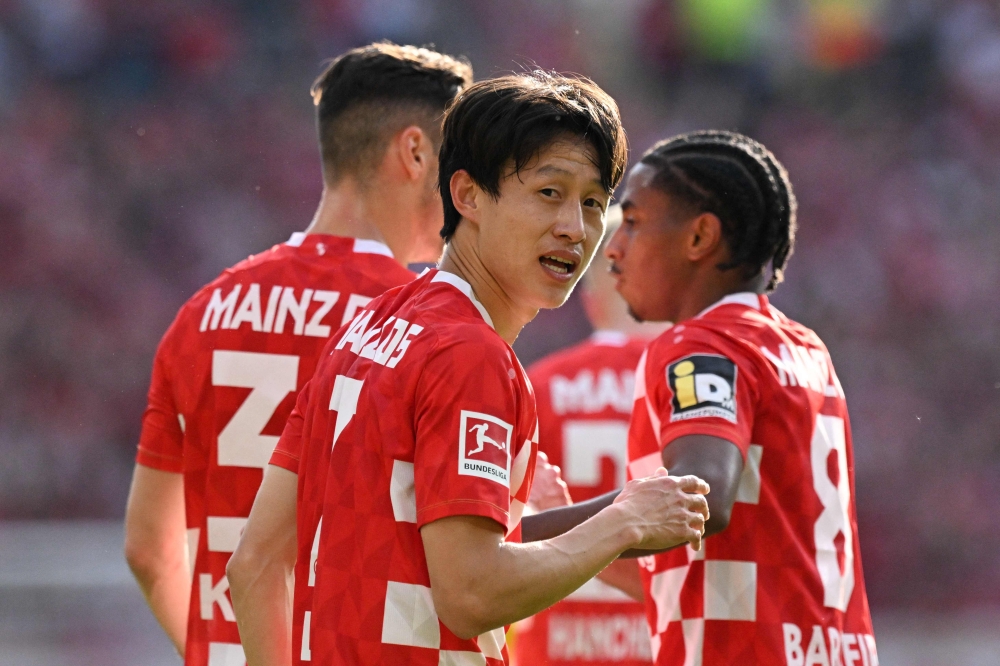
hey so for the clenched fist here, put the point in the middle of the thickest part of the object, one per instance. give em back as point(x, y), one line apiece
point(665, 510)
point(548, 491)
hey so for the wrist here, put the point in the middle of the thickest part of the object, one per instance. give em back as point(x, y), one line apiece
point(627, 534)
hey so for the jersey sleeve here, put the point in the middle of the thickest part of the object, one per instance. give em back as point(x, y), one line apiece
point(288, 451)
point(465, 415)
point(161, 444)
point(702, 385)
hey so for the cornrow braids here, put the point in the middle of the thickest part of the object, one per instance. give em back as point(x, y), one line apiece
point(743, 184)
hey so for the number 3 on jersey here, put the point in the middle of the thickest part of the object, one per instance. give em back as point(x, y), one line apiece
point(829, 439)
point(271, 377)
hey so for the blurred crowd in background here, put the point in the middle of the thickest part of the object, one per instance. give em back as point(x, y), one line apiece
point(145, 146)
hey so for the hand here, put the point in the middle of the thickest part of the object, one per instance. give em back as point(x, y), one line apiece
point(548, 491)
point(666, 510)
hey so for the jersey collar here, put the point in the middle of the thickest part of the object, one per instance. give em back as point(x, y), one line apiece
point(361, 245)
point(746, 298)
point(609, 337)
point(465, 288)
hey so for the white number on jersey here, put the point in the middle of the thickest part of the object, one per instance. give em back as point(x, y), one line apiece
point(272, 377)
point(829, 437)
point(586, 443)
point(344, 401)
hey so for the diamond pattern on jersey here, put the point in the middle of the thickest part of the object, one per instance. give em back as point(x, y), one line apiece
point(759, 591)
point(409, 617)
point(225, 378)
point(402, 492)
point(226, 654)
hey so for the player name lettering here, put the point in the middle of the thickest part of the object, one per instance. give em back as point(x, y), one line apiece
point(819, 645)
point(805, 367)
point(585, 395)
point(488, 469)
point(385, 343)
point(303, 313)
point(580, 637)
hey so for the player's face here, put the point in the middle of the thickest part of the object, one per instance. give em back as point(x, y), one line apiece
point(646, 252)
point(539, 235)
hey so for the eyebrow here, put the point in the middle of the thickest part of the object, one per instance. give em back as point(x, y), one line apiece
point(627, 204)
point(551, 169)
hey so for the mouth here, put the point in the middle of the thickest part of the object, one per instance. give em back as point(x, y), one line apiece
point(562, 268)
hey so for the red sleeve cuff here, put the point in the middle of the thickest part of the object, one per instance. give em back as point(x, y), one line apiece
point(285, 461)
point(462, 507)
point(721, 431)
point(158, 461)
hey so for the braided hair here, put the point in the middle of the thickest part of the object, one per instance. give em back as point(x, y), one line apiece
point(743, 184)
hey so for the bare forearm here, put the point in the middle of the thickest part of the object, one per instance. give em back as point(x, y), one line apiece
point(526, 578)
point(552, 523)
point(262, 602)
point(261, 571)
point(166, 585)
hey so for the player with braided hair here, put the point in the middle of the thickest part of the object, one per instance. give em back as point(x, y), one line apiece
point(741, 396)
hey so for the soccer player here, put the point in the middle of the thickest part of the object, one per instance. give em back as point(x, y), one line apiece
point(227, 371)
point(416, 437)
point(747, 399)
point(584, 397)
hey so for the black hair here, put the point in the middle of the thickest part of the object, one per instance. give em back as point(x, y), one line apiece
point(496, 127)
point(368, 94)
point(743, 184)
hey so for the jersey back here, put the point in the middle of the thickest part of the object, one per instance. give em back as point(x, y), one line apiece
point(417, 412)
point(783, 583)
point(584, 396)
point(225, 378)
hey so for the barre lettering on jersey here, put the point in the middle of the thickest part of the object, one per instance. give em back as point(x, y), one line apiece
point(284, 308)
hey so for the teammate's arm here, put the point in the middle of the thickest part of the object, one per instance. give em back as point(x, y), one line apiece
point(260, 572)
point(156, 547)
point(480, 582)
point(716, 460)
point(553, 522)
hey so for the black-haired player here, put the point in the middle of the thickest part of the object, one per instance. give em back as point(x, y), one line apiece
point(743, 397)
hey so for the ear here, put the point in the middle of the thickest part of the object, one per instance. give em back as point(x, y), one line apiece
point(415, 150)
point(466, 195)
point(704, 237)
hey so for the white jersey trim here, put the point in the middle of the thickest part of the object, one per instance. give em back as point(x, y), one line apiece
point(465, 288)
point(747, 298)
point(609, 337)
point(368, 246)
point(361, 245)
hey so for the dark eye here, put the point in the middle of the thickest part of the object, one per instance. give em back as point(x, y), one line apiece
point(548, 192)
point(594, 203)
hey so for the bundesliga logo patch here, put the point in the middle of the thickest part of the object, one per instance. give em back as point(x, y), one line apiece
point(484, 447)
point(703, 385)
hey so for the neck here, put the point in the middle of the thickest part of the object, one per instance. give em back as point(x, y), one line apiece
point(351, 211)
point(508, 320)
point(699, 297)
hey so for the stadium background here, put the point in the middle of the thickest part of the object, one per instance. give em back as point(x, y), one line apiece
point(147, 145)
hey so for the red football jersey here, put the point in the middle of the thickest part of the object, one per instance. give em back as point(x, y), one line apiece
point(783, 583)
point(224, 380)
point(584, 397)
point(418, 411)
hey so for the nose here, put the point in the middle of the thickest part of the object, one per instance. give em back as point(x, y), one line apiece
point(614, 250)
point(570, 224)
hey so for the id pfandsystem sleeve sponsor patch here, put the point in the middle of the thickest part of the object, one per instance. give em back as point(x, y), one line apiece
point(703, 385)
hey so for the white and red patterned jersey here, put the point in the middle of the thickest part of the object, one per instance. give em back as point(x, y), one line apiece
point(584, 397)
point(225, 378)
point(783, 583)
point(418, 411)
